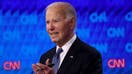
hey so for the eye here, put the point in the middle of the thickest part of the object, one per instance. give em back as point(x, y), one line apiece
point(56, 20)
point(47, 22)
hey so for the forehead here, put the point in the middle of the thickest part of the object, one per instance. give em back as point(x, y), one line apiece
point(56, 12)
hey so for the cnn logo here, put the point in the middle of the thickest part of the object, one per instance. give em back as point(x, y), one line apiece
point(11, 65)
point(116, 63)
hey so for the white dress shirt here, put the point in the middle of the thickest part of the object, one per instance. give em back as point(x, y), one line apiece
point(65, 48)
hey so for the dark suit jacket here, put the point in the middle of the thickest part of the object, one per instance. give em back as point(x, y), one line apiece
point(80, 59)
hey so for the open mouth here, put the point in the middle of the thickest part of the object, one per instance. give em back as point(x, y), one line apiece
point(54, 34)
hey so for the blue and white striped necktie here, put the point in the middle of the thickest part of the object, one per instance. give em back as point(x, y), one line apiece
point(56, 60)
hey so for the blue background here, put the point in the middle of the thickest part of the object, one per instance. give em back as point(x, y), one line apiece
point(104, 24)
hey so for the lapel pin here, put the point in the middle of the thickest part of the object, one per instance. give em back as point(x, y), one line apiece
point(71, 57)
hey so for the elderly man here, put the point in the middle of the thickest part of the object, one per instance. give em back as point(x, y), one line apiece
point(70, 55)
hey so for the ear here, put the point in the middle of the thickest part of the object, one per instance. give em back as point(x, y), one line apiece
point(72, 23)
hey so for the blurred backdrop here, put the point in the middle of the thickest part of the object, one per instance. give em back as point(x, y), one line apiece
point(103, 24)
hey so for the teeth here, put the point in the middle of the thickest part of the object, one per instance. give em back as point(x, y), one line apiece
point(54, 34)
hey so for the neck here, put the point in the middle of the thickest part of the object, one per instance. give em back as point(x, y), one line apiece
point(60, 44)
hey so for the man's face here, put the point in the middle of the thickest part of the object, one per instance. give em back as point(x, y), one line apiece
point(57, 26)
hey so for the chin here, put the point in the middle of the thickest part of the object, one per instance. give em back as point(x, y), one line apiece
point(55, 39)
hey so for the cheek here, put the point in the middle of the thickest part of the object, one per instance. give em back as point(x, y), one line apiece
point(61, 33)
point(64, 32)
point(46, 28)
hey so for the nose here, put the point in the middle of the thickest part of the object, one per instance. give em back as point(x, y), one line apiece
point(51, 26)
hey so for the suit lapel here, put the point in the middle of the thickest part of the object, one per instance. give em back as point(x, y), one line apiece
point(69, 58)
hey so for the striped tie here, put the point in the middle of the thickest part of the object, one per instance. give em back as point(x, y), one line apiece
point(56, 60)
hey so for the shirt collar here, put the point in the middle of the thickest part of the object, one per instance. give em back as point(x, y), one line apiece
point(68, 44)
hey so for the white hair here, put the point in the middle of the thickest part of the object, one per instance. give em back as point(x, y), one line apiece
point(69, 9)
